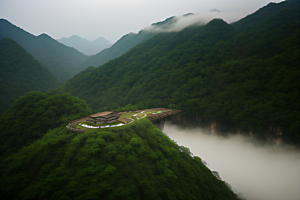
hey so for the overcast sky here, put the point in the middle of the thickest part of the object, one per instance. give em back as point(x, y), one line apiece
point(111, 19)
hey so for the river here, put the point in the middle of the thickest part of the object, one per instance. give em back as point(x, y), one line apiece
point(254, 170)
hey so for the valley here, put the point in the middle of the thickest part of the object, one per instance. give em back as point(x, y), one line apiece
point(255, 170)
point(95, 122)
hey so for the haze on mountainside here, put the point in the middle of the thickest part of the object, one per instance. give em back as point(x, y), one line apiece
point(230, 72)
point(244, 75)
point(257, 170)
point(60, 60)
point(172, 24)
point(178, 23)
point(91, 19)
point(63, 70)
point(21, 73)
point(85, 46)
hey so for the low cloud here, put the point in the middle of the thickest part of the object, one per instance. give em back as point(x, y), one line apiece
point(178, 23)
point(259, 172)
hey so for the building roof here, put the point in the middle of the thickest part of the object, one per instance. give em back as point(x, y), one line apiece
point(103, 114)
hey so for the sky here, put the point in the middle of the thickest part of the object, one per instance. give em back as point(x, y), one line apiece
point(112, 19)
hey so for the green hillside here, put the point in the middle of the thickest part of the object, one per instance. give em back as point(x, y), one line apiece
point(248, 76)
point(124, 44)
point(60, 60)
point(21, 73)
point(31, 115)
point(133, 162)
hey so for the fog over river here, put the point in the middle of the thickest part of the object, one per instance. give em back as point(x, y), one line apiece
point(259, 172)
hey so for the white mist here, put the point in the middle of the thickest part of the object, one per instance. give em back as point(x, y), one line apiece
point(259, 172)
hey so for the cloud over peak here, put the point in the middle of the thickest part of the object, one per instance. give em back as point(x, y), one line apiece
point(178, 23)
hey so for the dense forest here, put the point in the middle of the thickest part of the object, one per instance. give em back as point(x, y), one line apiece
point(31, 115)
point(124, 44)
point(41, 159)
point(246, 73)
point(21, 73)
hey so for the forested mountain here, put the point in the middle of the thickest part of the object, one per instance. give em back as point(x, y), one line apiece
point(250, 21)
point(136, 161)
point(60, 60)
point(246, 73)
point(85, 46)
point(21, 73)
point(33, 114)
point(124, 44)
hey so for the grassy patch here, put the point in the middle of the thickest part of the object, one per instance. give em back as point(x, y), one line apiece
point(128, 115)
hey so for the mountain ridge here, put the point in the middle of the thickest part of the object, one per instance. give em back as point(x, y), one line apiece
point(125, 43)
point(21, 73)
point(60, 60)
point(199, 70)
point(85, 46)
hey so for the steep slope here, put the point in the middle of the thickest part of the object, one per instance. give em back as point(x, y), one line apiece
point(21, 73)
point(248, 77)
point(146, 66)
point(136, 161)
point(85, 46)
point(60, 60)
point(249, 21)
point(124, 44)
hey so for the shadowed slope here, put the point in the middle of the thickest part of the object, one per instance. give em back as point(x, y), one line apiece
point(21, 73)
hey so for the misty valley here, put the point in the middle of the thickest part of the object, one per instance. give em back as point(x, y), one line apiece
point(275, 169)
point(186, 108)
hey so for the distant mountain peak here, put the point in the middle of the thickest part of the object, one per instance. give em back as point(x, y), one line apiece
point(102, 39)
point(75, 36)
point(85, 46)
point(219, 28)
point(167, 21)
point(188, 14)
point(217, 21)
point(59, 59)
point(44, 35)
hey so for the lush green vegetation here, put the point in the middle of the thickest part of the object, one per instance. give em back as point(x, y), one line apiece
point(41, 159)
point(21, 73)
point(246, 73)
point(60, 60)
point(31, 115)
point(133, 162)
point(123, 45)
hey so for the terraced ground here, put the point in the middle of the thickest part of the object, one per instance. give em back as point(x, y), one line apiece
point(124, 119)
